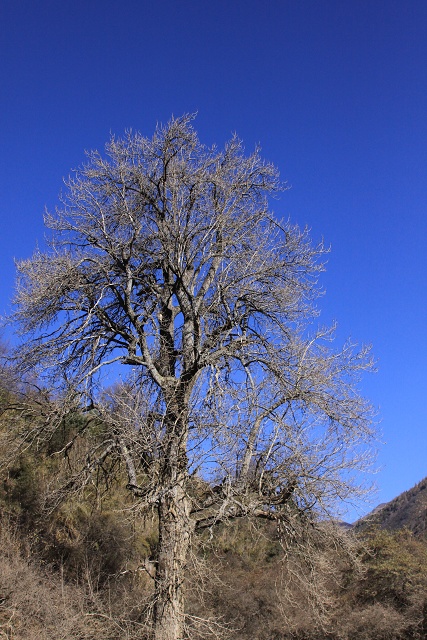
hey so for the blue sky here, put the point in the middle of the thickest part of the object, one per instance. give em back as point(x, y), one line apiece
point(334, 91)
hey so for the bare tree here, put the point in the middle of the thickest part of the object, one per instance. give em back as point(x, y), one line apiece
point(164, 257)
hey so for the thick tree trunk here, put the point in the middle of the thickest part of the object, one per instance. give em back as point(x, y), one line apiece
point(175, 531)
point(175, 523)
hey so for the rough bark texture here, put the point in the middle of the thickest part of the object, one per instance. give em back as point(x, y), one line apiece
point(175, 524)
point(175, 532)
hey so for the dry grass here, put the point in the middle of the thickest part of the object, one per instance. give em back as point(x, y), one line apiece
point(36, 604)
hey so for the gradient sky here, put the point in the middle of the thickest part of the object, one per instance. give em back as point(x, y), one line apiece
point(334, 91)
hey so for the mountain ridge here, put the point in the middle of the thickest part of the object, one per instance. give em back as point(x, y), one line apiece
point(408, 510)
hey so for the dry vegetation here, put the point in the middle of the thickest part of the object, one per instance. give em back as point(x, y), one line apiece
point(80, 569)
point(38, 603)
point(80, 572)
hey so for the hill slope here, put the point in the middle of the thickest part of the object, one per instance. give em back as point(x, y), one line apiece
point(408, 510)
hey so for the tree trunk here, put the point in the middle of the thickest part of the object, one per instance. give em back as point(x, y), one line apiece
point(175, 524)
point(175, 530)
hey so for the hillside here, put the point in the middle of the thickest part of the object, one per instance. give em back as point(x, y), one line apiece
point(81, 572)
point(409, 510)
point(81, 567)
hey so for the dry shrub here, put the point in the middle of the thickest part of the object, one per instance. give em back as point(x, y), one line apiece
point(298, 590)
point(36, 604)
point(374, 622)
point(87, 543)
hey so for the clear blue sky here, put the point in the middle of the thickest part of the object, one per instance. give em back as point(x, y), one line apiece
point(336, 93)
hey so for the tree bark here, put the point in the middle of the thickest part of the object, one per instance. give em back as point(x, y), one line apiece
point(175, 529)
point(175, 523)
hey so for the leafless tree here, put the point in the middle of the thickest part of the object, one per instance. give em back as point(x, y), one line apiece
point(165, 257)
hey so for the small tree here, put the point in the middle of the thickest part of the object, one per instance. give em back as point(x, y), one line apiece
point(165, 258)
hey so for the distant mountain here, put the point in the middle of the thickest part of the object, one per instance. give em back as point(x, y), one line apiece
point(408, 510)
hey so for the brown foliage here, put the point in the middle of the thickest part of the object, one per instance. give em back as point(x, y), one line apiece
point(36, 604)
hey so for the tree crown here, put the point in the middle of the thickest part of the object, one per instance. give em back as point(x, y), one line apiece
point(165, 257)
